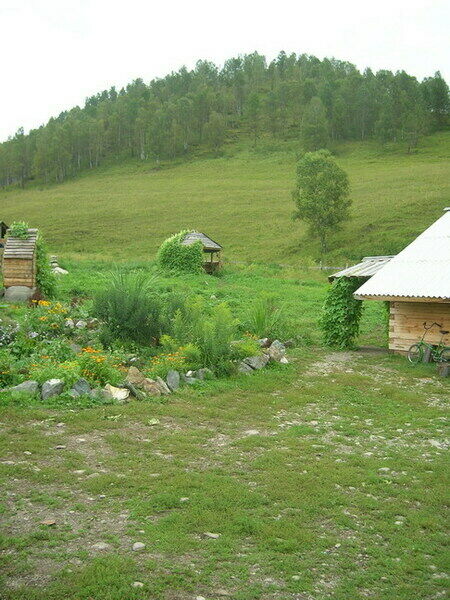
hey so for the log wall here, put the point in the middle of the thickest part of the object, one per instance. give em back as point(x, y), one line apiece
point(19, 271)
point(406, 323)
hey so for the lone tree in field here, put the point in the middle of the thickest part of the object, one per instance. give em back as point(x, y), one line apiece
point(321, 194)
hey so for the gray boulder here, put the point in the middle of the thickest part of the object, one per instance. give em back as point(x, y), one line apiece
point(204, 373)
point(173, 380)
point(244, 368)
point(17, 294)
point(52, 387)
point(81, 387)
point(165, 390)
point(276, 351)
point(263, 342)
point(29, 387)
point(257, 362)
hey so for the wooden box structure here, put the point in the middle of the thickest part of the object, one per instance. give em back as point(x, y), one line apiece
point(416, 283)
point(210, 248)
point(19, 260)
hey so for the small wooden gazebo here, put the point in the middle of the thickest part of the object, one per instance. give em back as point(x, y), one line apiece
point(19, 260)
point(211, 248)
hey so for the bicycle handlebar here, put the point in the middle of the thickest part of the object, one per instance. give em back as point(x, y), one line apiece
point(432, 325)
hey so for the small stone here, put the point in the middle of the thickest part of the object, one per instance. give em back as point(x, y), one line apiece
point(100, 546)
point(60, 424)
point(296, 577)
point(51, 388)
point(121, 395)
point(27, 452)
point(137, 584)
point(153, 421)
point(204, 373)
point(244, 368)
point(213, 536)
point(29, 387)
point(173, 380)
point(60, 447)
point(284, 360)
point(200, 598)
point(79, 472)
point(138, 546)
point(185, 499)
point(81, 324)
point(135, 377)
point(151, 387)
point(276, 351)
point(69, 323)
point(257, 362)
point(163, 387)
point(221, 592)
point(48, 522)
point(251, 432)
point(82, 387)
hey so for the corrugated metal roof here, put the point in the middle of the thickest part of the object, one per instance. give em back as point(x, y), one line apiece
point(421, 270)
point(366, 268)
point(208, 243)
point(21, 248)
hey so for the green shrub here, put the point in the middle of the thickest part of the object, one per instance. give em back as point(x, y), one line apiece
point(130, 308)
point(97, 368)
point(8, 375)
point(341, 313)
point(46, 368)
point(264, 319)
point(18, 229)
point(45, 278)
point(244, 348)
point(174, 256)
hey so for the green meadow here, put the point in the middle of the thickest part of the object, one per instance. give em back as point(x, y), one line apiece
point(324, 478)
point(242, 200)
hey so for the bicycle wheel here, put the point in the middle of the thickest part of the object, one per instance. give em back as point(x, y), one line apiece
point(415, 354)
point(444, 356)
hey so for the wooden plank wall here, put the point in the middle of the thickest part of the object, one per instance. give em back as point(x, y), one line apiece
point(19, 271)
point(406, 323)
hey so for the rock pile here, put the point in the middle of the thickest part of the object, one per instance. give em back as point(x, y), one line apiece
point(272, 352)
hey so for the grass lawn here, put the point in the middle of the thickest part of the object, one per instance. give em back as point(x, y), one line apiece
point(243, 200)
point(323, 479)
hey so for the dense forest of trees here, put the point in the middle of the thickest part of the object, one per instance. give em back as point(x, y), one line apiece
point(302, 97)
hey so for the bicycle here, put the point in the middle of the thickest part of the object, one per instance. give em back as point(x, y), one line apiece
point(438, 353)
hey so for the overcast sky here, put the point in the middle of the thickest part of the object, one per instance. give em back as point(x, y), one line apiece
point(55, 53)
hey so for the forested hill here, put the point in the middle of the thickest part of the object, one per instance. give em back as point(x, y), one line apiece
point(315, 101)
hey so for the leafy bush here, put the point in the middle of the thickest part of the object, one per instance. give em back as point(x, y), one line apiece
point(174, 256)
point(45, 278)
point(46, 369)
point(341, 314)
point(7, 369)
point(243, 348)
point(264, 319)
point(18, 229)
point(130, 309)
point(96, 367)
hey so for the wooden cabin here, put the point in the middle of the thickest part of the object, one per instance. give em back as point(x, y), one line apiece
point(416, 283)
point(211, 249)
point(19, 261)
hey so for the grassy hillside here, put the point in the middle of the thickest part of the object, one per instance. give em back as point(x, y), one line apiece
point(243, 200)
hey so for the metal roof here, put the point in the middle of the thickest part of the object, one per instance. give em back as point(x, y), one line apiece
point(21, 248)
point(208, 244)
point(421, 270)
point(364, 269)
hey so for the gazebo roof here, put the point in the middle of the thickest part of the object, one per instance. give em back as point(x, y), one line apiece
point(364, 269)
point(209, 245)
